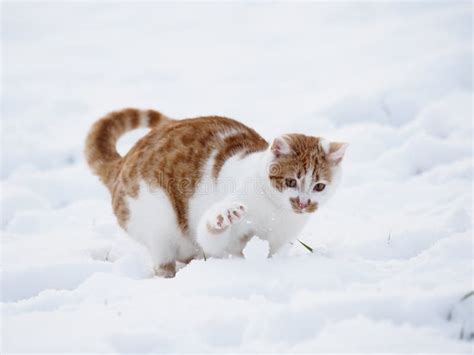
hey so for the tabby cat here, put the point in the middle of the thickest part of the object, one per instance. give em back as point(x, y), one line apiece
point(206, 185)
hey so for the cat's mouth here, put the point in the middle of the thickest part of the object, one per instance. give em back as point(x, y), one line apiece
point(301, 207)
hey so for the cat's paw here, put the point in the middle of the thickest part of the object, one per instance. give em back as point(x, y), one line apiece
point(225, 217)
point(165, 270)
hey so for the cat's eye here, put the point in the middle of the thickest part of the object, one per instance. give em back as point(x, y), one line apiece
point(319, 187)
point(290, 183)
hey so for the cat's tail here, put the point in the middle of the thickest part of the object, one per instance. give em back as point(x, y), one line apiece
point(100, 150)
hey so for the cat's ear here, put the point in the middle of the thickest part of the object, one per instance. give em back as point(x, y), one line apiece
point(335, 151)
point(280, 146)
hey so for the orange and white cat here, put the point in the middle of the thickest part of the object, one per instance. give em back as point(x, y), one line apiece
point(207, 185)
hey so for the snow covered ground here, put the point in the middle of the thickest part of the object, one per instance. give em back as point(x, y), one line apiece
point(393, 250)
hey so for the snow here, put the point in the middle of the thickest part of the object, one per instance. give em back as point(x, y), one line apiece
point(393, 252)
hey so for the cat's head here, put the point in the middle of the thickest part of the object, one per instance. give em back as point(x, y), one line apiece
point(304, 171)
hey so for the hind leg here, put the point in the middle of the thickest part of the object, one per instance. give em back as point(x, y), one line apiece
point(153, 223)
point(164, 253)
point(166, 270)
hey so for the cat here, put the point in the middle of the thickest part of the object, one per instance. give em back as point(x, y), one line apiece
point(205, 186)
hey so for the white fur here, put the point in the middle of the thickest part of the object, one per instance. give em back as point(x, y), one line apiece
point(338, 154)
point(144, 119)
point(227, 133)
point(153, 222)
point(325, 144)
point(242, 181)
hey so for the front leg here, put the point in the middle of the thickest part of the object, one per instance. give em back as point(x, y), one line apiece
point(284, 229)
point(214, 229)
point(277, 243)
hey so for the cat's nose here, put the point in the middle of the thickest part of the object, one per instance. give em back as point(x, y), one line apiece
point(303, 205)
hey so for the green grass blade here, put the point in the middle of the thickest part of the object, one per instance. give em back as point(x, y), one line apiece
point(467, 295)
point(306, 246)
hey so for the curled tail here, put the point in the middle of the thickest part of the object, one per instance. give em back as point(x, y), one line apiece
point(100, 150)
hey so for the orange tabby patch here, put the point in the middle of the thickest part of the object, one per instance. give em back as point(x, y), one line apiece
point(170, 156)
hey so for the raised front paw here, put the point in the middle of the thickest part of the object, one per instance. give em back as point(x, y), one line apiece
point(223, 218)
